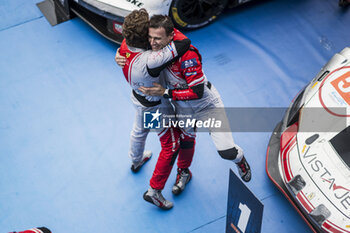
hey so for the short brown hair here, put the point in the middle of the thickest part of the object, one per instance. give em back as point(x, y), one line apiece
point(162, 21)
point(135, 28)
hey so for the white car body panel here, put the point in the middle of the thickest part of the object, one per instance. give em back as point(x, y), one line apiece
point(124, 7)
point(327, 176)
point(152, 6)
point(107, 16)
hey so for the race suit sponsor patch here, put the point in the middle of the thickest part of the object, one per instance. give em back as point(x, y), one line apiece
point(191, 73)
point(189, 63)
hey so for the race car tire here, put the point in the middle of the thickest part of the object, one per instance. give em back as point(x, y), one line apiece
point(343, 3)
point(192, 14)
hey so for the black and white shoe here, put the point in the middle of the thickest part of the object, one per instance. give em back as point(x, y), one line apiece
point(183, 177)
point(244, 170)
point(146, 156)
point(155, 197)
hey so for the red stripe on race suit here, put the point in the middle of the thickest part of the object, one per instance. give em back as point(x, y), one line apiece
point(130, 67)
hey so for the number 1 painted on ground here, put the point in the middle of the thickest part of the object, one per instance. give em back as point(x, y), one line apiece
point(244, 217)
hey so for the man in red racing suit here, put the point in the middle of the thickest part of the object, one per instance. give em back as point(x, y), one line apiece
point(194, 95)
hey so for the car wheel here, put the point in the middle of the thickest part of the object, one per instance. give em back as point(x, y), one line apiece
point(191, 14)
point(343, 3)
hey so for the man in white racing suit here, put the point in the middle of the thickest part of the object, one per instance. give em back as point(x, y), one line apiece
point(142, 68)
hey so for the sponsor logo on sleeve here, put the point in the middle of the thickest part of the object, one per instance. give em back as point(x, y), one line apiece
point(191, 73)
point(170, 47)
point(189, 63)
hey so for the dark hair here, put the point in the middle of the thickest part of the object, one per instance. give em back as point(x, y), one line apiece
point(162, 21)
point(135, 28)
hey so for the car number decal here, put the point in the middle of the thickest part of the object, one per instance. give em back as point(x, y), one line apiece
point(342, 85)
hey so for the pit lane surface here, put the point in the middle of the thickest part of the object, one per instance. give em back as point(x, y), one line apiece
point(66, 116)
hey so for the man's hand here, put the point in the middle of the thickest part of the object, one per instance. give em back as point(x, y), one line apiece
point(156, 90)
point(120, 60)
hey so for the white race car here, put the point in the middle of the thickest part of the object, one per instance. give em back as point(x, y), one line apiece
point(107, 16)
point(308, 157)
